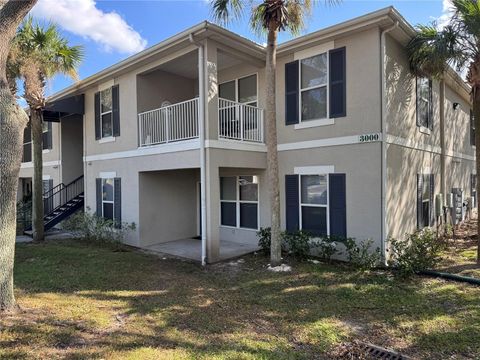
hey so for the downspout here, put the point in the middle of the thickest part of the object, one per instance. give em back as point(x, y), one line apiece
point(442, 140)
point(201, 130)
point(383, 116)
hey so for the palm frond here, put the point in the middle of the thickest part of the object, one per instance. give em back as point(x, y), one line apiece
point(224, 11)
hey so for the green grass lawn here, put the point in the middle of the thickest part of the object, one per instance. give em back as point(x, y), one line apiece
point(80, 301)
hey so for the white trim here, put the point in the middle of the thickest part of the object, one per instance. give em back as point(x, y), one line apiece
point(105, 85)
point(107, 174)
point(28, 165)
point(106, 139)
point(314, 50)
point(46, 177)
point(46, 151)
point(424, 130)
point(235, 145)
point(314, 123)
point(147, 150)
point(342, 140)
point(314, 170)
point(412, 144)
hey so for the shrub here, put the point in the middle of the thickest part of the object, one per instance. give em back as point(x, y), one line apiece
point(361, 255)
point(325, 248)
point(88, 226)
point(419, 251)
point(264, 239)
point(297, 243)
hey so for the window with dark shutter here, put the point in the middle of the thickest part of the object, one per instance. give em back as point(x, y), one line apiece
point(116, 110)
point(292, 202)
point(117, 202)
point(98, 135)
point(292, 87)
point(338, 83)
point(98, 184)
point(47, 139)
point(338, 205)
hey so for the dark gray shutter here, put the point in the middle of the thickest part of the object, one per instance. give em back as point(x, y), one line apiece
point(117, 199)
point(472, 128)
point(116, 110)
point(99, 197)
point(432, 195)
point(98, 134)
point(430, 105)
point(338, 205)
point(338, 83)
point(292, 89)
point(419, 201)
point(292, 202)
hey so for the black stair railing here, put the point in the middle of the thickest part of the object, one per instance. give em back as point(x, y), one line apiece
point(63, 195)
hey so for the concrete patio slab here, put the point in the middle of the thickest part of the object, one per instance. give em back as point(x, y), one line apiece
point(192, 249)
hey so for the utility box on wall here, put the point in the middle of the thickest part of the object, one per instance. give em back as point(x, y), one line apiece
point(458, 210)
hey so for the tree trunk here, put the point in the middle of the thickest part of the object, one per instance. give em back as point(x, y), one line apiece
point(476, 114)
point(272, 154)
point(37, 187)
point(12, 122)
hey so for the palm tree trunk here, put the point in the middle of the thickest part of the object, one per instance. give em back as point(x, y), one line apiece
point(476, 114)
point(37, 188)
point(272, 154)
point(12, 122)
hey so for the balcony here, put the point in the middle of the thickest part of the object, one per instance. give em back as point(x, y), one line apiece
point(179, 122)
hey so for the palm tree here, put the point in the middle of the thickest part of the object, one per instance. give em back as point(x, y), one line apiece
point(39, 53)
point(432, 51)
point(12, 122)
point(269, 16)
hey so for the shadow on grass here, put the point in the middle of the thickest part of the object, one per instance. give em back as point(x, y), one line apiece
point(238, 312)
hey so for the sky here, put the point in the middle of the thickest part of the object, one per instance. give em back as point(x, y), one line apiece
point(112, 30)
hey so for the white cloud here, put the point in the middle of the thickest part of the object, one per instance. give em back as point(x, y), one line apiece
point(82, 17)
point(447, 13)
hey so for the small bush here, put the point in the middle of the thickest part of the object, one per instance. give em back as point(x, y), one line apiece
point(325, 248)
point(265, 239)
point(88, 226)
point(361, 255)
point(419, 251)
point(297, 243)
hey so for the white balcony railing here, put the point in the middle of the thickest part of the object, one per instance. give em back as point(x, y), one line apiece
point(238, 121)
point(171, 123)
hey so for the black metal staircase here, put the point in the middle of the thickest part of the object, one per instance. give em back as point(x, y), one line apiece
point(59, 203)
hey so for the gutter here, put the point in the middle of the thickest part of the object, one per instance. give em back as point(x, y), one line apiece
point(383, 117)
point(201, 130)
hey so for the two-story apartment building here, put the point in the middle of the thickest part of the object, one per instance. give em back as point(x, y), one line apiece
point(173, 138)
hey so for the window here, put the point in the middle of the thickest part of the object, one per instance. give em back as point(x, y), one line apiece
point(314, 204)
point(27, 144)
point(106, 113)
point(243, 90)
point(46, 135)
point(239, 201)
point(107, 198)
point(313, 87)
point(425, 200)
point(424, 103)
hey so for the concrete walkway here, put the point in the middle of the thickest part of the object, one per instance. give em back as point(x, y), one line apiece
point(54, 234)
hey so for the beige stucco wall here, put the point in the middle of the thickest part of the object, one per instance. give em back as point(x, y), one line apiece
point(156, 87)
point(168, 204)
point(361, 165)
point(363, 92)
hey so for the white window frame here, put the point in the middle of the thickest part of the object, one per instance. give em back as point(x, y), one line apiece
point(424, 129)
point(237, 202)
point(300, 204)
point(109, 137)
point(109, 201)
point(314, 122)
point(236, 89)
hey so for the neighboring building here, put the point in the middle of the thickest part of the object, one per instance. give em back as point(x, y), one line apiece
point(359, 138)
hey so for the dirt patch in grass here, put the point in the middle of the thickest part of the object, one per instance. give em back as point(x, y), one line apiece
point(460, 257)
point(81, 301)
